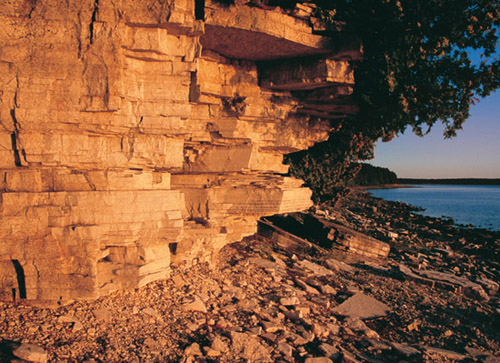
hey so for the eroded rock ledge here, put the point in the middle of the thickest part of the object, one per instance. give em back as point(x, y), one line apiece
point(134, 136)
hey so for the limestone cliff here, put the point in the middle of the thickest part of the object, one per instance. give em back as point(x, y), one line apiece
point(139, 134)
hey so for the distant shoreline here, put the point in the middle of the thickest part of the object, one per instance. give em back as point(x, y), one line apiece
point(451, 181)
point(383, 186)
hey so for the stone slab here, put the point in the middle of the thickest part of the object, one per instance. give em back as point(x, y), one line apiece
point(362, 306)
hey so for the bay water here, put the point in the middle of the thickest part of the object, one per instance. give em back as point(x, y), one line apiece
point(478, 205)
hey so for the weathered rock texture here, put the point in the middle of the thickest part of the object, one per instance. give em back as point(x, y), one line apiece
point(134, 136)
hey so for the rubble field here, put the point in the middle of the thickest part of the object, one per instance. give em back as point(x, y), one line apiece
point(434, 298)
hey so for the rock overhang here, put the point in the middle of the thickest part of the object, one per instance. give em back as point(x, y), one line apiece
point(126, 149)
point(251, 33)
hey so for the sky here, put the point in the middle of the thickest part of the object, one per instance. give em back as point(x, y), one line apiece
point(473, 153)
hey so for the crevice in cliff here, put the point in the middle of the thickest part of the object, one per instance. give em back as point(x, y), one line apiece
point(17, 158)
point(37, 271)
point(91, 185)
point(199, 9)
point(15, 135)
point(173, 248)
point(13, 139)
point(93, 20)
point(32, 8)
point(78, 31)
point(127, 146)
point(194, 88)
point(21, 281)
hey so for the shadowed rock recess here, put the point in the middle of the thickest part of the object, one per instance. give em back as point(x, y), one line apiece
point(137, 135)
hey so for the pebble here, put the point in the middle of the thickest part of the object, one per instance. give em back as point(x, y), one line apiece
point(285, 348)
point(328, 290)
point(329, 350)
point(289, 301)
point(193, 349)
point(219, 344)
point(196, 305)
point(309, 289)
point(103, 314)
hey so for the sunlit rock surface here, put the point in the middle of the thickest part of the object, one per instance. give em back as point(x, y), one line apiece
point(135, 135)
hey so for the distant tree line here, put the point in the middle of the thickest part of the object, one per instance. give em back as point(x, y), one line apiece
point(369, 175)
point(459, 181)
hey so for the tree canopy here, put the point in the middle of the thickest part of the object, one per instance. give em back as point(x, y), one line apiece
point(417, 69)
point(370, 175)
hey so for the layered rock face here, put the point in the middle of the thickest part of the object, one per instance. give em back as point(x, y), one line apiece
point(139, 134)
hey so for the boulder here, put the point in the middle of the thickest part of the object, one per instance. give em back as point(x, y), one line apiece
point(362, 306)
point(31, 352)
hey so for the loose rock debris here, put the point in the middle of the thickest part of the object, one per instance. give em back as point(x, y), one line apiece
point(265, 301)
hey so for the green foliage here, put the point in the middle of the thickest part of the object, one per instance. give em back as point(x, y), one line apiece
point(326, 167)
point(416, 70)
point(370, 175)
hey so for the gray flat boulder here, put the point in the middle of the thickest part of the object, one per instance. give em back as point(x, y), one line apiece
point(31, 352)
point(316, 269)
point(362, 306)
point(249, 348)
point(433, 351)
point(404, 349)
point(338, 265)
point(196, 305)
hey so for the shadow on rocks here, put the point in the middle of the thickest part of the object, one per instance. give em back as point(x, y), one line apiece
point(6, 349)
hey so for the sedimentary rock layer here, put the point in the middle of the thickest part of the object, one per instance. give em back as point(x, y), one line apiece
point(131, 139)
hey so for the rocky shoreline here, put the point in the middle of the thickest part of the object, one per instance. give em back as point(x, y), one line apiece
point(434, 298)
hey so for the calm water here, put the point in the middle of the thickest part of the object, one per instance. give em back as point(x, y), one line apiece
point(466, 204)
